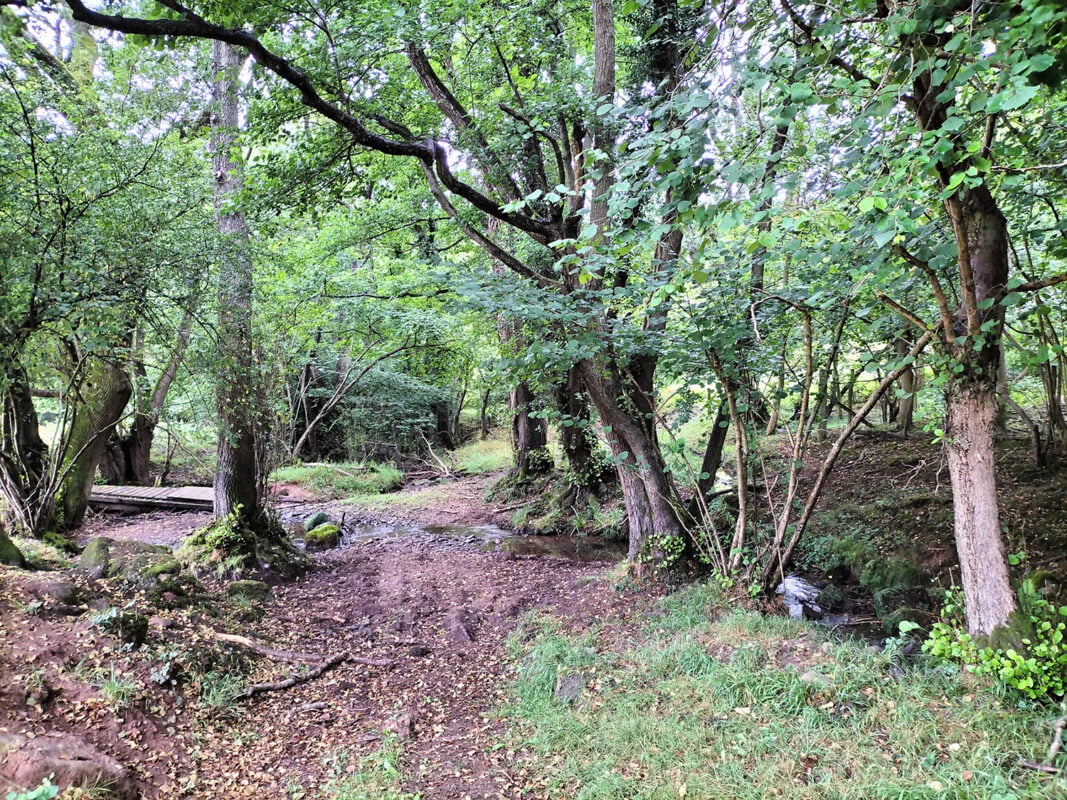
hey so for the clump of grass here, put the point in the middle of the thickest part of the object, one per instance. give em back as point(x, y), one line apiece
point(743, 706)
point(376, 776)
point(117, 689)
point(337, 481)
point(219, 692)
point(483, 455)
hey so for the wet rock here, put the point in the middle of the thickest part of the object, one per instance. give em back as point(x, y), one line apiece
point(69, 760)
point(136, 562)
point(799, 596)
point(569, 688)
point(403, 725)
point(324, 537)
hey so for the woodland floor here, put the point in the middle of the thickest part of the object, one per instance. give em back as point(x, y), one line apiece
point(433, 614)
point(438, 612)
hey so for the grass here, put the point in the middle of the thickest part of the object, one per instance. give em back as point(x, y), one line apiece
point(338, 481)
point(376, 776)
point(116, 689)
point(42, 555)
point(219, 692)
point(721, 703)
point(483, 455)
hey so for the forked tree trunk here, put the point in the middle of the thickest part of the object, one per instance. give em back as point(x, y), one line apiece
point(656, 533)
point(128, 458)
point(98, 405)
point(970, 417)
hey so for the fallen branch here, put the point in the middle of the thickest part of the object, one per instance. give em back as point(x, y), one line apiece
point(293, 680)
point(512, 507)
point(1053, 750)
point(290, 656)
point(1040, 767)
point(273, 654)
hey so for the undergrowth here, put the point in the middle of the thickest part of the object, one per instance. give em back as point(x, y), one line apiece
point(482, 456)
point(337, 481)
point(713, 702)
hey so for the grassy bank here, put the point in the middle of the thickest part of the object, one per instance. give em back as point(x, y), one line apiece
point(709, 702)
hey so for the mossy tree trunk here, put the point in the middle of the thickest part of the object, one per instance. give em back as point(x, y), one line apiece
point(96, 404)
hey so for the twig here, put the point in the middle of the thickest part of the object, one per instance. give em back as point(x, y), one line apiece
point(291, 656)
point(1040, 767)
point(1057, 740)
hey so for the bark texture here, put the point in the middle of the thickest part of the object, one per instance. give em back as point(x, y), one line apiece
point(239, 479)
point(987, 590)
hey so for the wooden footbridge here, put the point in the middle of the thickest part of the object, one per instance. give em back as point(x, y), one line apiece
point(142, 498)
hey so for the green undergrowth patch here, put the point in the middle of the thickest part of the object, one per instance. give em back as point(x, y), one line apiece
point(482, 456)
point(338, 481)
point(715, 702)
point(376, 776)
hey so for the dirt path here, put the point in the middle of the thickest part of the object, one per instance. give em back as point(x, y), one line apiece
point(433, 614)
point(441, 618)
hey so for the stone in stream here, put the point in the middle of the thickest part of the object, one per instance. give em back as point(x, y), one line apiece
point(797, 595)
point(323, 537)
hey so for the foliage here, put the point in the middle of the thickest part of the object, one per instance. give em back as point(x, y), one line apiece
point(483, 455)
point(375, 776)
point(218, 691)
point(1035, 665)
point(46, 791)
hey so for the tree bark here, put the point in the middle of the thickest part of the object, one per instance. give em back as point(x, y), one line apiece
point(99, 401)
point(971, 412)
point(529, 436)
point(28, 497)
point(239, 476)
point(127, 459)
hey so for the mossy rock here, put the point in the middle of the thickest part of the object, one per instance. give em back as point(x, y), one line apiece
point(109, 558)
point(255, 591)
point(322, 537)
point(145, 569)
point(127, 625)
point(9, 554)
point(315, 520)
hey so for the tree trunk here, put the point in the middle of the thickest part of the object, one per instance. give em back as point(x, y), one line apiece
point(586, 471)
point(127, 459)
point(239, 476)
point(98, 403)
point(529, 436)
point(906, 405)
point(656, 532)
point(971, 413)
point(25, 488)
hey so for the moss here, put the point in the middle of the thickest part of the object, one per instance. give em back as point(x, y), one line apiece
point(9, 554)
point(323, 537)
point(60, 542)
point(253, 590)
point(96, 557)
